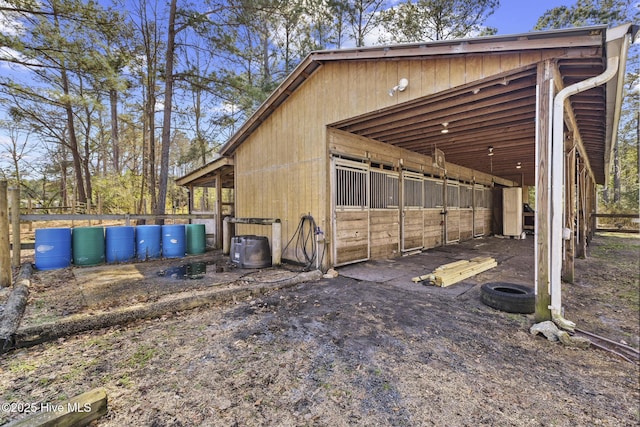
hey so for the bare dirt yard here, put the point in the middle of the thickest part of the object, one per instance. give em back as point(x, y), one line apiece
point(368, 348)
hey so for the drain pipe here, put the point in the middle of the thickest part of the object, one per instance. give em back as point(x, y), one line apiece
point(557, 185)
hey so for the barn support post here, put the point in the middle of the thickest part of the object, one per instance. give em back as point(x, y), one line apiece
point(593, 209)
point(568, 268)
point(558, 181)
point(542, 241)
point(15, 225)
point(190, 199)
point(218, 211)
point(5, 247)
point(581, 226)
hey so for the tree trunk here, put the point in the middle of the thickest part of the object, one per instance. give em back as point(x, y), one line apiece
point(14, 309)
point(73, 143)
point(71, 128)
point(616, 172)
point(115, 145)
point(166, 122)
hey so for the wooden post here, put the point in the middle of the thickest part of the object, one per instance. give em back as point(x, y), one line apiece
point(5, 247)
point(591, 209)
point(276, 243)
point(584, 217)
point(568, 268)
point(99, 208)
point(30, 211)
point(218, 210)
point(226, 236)
point(543, 198)
point(15, 225)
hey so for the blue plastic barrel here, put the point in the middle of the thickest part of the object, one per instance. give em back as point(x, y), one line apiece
point(148, 239)
point(173, 241)
point(120, 243)
point(52, 248)
point(88, 245)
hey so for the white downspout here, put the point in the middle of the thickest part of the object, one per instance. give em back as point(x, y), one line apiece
point(557, 185)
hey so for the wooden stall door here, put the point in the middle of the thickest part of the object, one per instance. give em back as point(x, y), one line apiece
point(465, 192)
point(412, 221)
point(384, 213)
point(433, 202)
point(452, 220)
point(478, 211)
point(350, 212)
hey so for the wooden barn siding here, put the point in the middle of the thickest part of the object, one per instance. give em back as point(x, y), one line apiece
point(282, 169)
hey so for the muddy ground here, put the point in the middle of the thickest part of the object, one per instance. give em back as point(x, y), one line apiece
point(348, 351)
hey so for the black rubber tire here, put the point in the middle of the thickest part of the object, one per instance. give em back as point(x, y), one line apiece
point(509, 297)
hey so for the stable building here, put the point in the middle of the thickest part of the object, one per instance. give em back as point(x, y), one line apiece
point(394, 149)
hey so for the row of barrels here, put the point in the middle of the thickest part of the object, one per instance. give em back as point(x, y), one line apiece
point(87, 246)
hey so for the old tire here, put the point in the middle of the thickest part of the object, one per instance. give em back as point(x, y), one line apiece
point(508, 297)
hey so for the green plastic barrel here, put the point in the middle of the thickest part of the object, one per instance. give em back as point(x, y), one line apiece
point(196, 238)
point(88, 245)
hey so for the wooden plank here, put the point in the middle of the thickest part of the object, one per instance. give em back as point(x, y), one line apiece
point(454, 272)
point(449, 277)
point(78, 411)
point(451, 265)
point(448, 281)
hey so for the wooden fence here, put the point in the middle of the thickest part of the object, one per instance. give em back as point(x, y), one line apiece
point(617, 223)
point(11, 232)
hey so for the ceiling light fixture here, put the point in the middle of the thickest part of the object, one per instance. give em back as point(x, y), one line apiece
point(490, 151)
point(445, 130)
point(519, 165)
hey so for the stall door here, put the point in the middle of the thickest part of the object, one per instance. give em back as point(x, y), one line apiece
point(350, 212)
point(478, 213)
point(384, 212)
point(412, 222)
point(433, 202)
point(466, 211)
point(452, 222)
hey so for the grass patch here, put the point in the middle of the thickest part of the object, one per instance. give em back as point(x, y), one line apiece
point(21, 367)
point(142, 356)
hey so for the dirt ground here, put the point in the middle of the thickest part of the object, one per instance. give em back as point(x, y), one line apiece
point(368, 348)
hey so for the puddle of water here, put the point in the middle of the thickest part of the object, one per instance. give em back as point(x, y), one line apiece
point(192, 271)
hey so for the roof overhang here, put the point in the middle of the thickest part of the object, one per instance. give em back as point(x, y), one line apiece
point(207, 175)
point(497, 112)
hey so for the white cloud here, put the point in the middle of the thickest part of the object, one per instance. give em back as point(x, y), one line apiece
point(9, 22)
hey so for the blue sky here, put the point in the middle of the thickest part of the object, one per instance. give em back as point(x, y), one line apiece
point(520, 16)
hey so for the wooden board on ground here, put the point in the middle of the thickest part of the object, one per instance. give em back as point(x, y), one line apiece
point(78, 411)
point(454, 272)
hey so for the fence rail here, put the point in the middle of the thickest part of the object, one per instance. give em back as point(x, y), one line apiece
point(127, 218)
point(628, 222)
point(109, 217)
